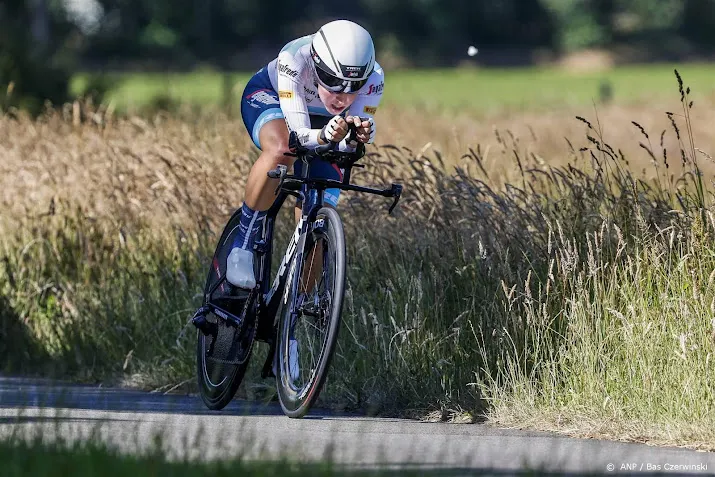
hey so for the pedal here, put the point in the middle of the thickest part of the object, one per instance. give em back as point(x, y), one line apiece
point(199, 320)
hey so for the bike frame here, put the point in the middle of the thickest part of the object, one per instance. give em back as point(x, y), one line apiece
point(271, 293)
point(266, 295)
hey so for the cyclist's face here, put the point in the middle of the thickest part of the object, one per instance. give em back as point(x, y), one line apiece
point(336, 103)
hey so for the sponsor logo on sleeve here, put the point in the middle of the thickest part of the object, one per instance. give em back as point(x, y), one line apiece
point(376, 88)
point(285, 70)
point(261, 96)
point(285, 94)
point(370, 109)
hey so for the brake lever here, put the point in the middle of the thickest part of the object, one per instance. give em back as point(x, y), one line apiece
point(396, 191)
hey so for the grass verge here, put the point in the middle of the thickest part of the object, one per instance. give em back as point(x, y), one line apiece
point(35, 458)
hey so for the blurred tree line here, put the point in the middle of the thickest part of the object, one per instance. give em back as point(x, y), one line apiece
point(422, 32)
point(35, 53)
point(42, 40)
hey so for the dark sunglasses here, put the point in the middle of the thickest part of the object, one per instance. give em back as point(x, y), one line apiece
point(337, 85)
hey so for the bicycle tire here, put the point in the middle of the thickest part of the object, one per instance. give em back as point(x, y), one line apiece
point(296, 401)
point(222, 356)
point(219, 374)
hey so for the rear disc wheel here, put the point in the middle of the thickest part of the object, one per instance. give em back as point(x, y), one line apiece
point(222, 357)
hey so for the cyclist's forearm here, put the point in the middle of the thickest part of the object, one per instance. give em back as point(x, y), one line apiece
point(310, 137)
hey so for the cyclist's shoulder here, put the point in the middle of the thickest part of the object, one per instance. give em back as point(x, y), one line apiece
point(378, 74)
point(297, 49)
point(292, 61)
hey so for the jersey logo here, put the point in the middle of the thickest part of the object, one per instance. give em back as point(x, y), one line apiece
point(287, 71)
point(376, 88)
point(285, 94)
point(370, 109)
point(261, 96)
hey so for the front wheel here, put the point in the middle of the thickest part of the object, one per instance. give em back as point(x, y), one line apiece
point(309, 313)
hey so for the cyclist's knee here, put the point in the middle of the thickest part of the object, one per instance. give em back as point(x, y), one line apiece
point(274, 143)
point(276, 157)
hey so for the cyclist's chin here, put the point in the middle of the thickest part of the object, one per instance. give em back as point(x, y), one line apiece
point(335, 103)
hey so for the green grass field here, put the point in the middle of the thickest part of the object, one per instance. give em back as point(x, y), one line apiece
point(86, 459)
point(472, 90)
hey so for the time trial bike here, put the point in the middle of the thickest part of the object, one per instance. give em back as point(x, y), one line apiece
point(298, 312)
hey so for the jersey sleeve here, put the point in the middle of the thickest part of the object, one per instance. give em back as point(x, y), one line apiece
point(290, 74)
point(368, 99)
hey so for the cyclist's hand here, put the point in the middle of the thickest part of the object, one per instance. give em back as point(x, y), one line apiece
point(335, 130)
point(365, 129)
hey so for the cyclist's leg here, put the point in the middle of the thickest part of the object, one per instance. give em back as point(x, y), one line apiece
point(265, 123)
point(314, 262)
point(260, 189)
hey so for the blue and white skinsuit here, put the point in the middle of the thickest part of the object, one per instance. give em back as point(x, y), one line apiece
point(287, 88)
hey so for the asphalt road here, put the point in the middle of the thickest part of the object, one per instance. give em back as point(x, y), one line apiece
point(131, 420)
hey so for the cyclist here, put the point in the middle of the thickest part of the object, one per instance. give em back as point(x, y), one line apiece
point(317, 86)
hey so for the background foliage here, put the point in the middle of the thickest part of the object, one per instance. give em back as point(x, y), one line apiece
point(41, 41)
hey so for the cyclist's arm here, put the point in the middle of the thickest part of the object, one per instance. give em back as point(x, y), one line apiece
point(292, 102)
point(367, 101)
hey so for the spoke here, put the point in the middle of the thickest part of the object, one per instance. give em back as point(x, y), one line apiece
point(313, 325)
point(309, 356)
point(322, 275)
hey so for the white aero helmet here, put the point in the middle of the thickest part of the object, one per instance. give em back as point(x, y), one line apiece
point(343, 56)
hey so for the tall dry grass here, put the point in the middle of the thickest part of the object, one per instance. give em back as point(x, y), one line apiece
point(540, 280)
